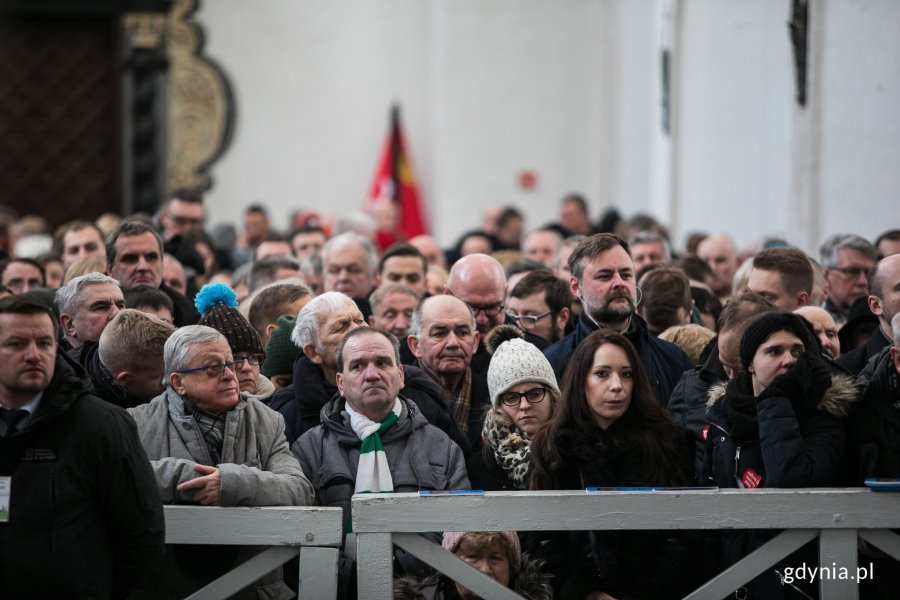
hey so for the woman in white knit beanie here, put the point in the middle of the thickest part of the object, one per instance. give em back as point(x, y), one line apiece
point(524, 394)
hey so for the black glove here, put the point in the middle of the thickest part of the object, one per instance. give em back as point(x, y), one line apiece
point(795, 383)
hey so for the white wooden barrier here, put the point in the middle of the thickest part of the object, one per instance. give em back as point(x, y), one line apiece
point(313, 533)
point(836, 516)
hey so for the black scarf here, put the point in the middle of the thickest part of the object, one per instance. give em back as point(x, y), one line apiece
point(212, 427)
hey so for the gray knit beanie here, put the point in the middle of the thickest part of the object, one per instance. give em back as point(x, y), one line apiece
point(516, 361)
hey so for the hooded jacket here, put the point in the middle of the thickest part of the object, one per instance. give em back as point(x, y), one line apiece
point(801, 443)
point(84, 517)
point(420, 456)
point(529, 582)
point(663, 361)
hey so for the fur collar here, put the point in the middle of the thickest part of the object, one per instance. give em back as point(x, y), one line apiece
point(837, 399)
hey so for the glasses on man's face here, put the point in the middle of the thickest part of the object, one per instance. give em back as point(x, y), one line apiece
point(186, 221)
point(532, 396)
point(851, 272)
point(527, 321)
point(213, 371)
point(489, 310)
point(253, 359)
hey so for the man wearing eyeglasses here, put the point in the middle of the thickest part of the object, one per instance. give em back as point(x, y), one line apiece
point(213, 445)
point(539, 305)
point(480, 281)
point(183, 212)
point(846, 260)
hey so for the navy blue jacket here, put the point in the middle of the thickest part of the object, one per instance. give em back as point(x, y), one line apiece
point(663, 361)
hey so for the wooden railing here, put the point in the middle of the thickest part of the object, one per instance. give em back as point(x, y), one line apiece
point(835, 516)
point(312, 533)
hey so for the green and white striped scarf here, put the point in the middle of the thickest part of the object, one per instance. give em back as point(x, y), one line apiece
point(372, 473)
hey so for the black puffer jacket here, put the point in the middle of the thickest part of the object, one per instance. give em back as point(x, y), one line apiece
point(873, 443)
point(800, 443)
point(529, 583)
point(687, 404)
point(85, 518)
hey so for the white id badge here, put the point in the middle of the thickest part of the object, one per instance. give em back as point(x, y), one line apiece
point(5, 495)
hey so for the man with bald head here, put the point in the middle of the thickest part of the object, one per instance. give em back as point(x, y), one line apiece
point(443, 337)
point(320, 326)
point(884, 302)
point(719, 253)
point(480, 282)
point(430, 249)
point(824, 327)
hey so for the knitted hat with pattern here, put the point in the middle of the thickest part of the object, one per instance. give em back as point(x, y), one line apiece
point(218, 304)
point(515, 361)
point(761, 328)
point(280, 350)
point(452, 539)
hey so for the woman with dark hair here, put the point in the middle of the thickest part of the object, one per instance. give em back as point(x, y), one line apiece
point(778, 424)
point(609, 431)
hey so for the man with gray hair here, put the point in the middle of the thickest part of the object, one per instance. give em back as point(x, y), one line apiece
point(649, 248)
point(884, 302)
point(443, 337)
point(86, 305)
point(348, 266)
point(846, 260)
point(320, 327)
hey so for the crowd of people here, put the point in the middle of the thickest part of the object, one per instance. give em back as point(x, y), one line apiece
point(153, 360)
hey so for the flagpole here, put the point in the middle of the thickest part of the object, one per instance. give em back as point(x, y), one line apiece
point(395, 152)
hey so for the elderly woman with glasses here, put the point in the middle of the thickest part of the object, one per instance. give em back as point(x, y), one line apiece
point(217, 303)
point(523, 393)
point(211, 444)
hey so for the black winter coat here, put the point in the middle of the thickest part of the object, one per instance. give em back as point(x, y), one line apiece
point(687, 404)
point(801, 444)
point(627, 564)
point(664, 362)
point(873, 443)
point(85, 520)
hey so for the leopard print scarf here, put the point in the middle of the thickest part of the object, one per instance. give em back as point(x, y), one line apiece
point(510, 446)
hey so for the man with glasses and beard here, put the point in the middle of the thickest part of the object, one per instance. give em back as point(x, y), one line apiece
point(603, 278)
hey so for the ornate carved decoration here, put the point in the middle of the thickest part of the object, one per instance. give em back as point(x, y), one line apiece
point(201, 109)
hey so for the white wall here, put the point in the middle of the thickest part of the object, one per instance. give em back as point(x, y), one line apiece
point(489, 89)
